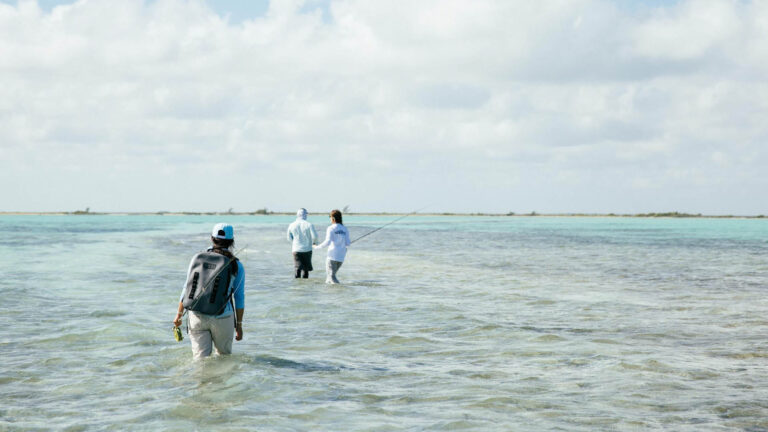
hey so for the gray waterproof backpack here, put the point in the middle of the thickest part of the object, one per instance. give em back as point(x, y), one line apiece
point(208, 282)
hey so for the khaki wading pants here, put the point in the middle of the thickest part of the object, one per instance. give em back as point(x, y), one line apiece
point(207, 332)
point(331, 268)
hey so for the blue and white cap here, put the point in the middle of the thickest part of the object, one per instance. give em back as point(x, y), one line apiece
point(223, 231)
point(302, 213)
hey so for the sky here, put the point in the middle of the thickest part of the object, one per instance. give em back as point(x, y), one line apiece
point(561, 106)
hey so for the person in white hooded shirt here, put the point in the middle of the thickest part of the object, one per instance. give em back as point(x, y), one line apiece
point(303, 235)
point(337, 240)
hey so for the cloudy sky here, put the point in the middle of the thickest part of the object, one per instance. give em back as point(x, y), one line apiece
point(591, 106)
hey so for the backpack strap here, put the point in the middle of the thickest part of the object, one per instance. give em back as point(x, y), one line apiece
point(234, 311)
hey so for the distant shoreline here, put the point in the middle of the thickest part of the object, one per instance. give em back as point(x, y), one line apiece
point(277, 213)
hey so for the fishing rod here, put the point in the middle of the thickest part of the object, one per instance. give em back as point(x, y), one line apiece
point(387, 224)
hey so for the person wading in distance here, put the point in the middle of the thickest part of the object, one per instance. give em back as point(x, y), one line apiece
point(337, 240)
point(303, 235)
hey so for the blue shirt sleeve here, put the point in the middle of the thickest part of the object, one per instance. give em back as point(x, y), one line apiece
point(239, 285)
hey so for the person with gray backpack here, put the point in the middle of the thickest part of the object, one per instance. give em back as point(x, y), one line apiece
point(215, 280)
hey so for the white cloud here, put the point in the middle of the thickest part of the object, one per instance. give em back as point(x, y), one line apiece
point(478, 106)
point(688, 31)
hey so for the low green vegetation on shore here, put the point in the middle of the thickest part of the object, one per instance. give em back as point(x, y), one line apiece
point(267, 212)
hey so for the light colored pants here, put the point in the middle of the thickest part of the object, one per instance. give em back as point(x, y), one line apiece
point(331, 267)
point(207, 332)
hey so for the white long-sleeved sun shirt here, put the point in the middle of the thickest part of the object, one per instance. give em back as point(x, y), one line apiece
point(337, 236)
point(302, 234)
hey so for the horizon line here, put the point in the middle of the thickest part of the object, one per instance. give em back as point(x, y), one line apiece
point(265, 212)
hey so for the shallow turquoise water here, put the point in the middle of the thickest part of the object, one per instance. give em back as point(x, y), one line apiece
point(441, 323)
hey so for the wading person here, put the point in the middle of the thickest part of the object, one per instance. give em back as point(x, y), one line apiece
point(337, 240)
point(215, 280)
point(303, 236)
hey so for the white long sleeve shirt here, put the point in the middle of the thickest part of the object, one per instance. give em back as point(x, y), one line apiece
point(337, 236)
point(302, 234)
